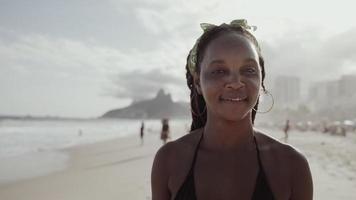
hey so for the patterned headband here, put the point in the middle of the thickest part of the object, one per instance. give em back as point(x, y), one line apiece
point(192, 58)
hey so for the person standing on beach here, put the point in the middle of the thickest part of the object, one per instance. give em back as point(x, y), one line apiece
point(142, 129)
point(80, 132)
point(165, 131)
point(224, 156)
point(285, 130)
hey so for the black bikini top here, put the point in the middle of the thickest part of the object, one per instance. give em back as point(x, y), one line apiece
point(262, 190)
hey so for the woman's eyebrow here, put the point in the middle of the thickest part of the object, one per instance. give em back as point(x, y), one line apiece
point(218, 61)
point(250, 60)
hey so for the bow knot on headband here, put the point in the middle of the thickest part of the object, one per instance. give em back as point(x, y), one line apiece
point(192, 58)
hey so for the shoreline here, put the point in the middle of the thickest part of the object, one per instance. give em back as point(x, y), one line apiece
point(120, 169)
point(94, 171)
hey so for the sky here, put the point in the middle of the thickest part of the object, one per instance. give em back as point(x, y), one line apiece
point(82, 58)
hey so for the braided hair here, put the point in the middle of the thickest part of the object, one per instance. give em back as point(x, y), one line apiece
point(197, 102)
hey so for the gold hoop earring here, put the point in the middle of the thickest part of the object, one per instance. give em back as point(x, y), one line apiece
point(269, 94)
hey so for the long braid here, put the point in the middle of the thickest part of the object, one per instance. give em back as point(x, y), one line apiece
point(197, 102)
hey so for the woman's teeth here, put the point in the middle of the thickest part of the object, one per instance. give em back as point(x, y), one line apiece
point(233, 99)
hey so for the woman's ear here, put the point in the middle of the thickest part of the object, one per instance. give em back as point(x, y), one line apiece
point(196, 77)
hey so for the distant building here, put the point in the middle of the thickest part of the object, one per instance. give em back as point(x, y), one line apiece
point(323, 94)
point(287, 91)
point(328, 94)
point(347, 85)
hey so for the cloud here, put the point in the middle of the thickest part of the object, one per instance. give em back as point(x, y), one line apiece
point(140, 85)
point(341, 47)
point(312, 58)
point(44, 53)
point(172, 17)
point(46, 60)
point(39, 53)
point(128, 49)
point(299, 52)
point(49, 75)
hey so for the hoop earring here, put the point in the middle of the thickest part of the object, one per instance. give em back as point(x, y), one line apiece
point(269, 94)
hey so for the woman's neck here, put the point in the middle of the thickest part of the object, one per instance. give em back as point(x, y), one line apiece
point(223, 135)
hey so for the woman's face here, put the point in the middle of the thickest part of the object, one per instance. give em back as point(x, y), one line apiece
point(230, 77)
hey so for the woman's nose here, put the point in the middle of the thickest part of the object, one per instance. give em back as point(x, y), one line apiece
point(234, 81)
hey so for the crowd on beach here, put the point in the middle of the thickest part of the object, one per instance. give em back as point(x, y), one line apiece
point(332, 127)
point(340, 128)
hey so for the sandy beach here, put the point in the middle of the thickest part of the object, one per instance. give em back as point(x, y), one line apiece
point(120, 169)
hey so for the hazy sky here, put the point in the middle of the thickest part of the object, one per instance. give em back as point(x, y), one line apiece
point(82, 58)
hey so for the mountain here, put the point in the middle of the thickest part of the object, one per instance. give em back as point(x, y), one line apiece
point(159, 107)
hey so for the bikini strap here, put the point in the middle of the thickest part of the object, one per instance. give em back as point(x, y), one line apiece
point(258, 154)
point(262, 187)
point(196, 153)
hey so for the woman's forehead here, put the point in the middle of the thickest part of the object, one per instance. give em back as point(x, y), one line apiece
point(231, 44)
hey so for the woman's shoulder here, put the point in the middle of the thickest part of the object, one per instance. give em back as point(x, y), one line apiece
point(172, 163)
point(281, 153)
point(286, 162)
point(182, 148)
point(270, 144)
point(180, 145)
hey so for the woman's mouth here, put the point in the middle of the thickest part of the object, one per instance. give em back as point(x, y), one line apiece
point(237, 99)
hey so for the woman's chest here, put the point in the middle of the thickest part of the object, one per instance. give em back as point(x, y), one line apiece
point(225, 180)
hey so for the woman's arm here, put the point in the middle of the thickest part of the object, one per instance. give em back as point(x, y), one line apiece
point(160, 175)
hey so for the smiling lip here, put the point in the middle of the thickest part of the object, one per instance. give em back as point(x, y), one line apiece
point(237, 99)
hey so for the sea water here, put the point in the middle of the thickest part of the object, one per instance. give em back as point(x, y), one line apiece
point(30, 148)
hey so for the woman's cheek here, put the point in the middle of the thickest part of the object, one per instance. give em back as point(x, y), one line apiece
point(210, 81)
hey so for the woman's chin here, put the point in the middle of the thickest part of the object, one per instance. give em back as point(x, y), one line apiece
point(234, 116)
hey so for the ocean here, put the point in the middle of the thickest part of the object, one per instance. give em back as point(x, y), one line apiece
point(34, 147)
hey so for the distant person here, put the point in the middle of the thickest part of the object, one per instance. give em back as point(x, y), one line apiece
point(142, 129)
point(165, 131)
point(343, 130)
point(80, 132)
point(224, 156)
point(325, 128)
point(286, 130)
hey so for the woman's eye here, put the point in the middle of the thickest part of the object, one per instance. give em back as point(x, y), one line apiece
point(251, 70)
point(218, 71)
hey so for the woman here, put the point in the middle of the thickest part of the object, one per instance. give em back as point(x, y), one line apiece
point(285, 130)
point(165, 131)
point(224, 157)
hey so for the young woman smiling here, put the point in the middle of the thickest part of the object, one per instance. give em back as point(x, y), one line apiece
point(224, 157)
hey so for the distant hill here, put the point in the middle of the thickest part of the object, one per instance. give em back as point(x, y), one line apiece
point(159, 107)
